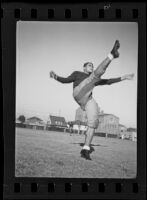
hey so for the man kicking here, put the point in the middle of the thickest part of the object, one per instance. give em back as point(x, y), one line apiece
point(83, 84)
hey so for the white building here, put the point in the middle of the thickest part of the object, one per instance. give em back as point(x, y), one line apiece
point(109, 124)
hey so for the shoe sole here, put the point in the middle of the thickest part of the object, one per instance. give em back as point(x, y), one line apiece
point(83, 156)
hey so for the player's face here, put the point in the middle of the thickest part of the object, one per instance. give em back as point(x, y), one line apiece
point(89, 68)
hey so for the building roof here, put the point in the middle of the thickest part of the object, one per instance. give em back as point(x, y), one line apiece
point(35, 118)
point(121, 125)
point(57, 118)
point(106, 114)
point(131, 129)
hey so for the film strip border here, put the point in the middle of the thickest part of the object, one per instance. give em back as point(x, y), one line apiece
point(21, 188)
point(68, 12)
point(74, 188)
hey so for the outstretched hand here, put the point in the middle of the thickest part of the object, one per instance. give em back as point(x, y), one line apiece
point(52, 74)
point(128, 77)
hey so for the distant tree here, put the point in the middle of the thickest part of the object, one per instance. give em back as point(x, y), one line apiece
point(22, 118)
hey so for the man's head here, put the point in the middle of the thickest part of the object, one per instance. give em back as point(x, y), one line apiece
point(88, 67)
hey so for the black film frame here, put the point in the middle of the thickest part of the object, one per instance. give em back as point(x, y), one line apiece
point(51, 188)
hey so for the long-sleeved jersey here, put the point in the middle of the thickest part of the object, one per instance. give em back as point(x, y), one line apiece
point(77, 77)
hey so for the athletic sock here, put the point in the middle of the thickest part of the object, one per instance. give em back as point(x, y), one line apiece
point(86, 147)
point(110, 56)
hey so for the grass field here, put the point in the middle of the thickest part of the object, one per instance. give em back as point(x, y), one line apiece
point(57, 154)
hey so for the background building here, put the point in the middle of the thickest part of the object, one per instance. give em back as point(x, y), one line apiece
point(35, 123)
point(123, 131)
point(56, 121)
point(108, 124)
point(128, 133)
point(132, 134)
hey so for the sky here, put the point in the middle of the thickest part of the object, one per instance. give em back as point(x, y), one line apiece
point(64, 47)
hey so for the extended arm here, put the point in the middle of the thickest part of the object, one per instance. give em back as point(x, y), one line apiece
point(69, 79)
point(108, 81)
point(114, 80)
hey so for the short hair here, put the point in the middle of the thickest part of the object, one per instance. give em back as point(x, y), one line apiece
point(85, 64)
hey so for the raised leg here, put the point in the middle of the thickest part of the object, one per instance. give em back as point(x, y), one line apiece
point(100, 70)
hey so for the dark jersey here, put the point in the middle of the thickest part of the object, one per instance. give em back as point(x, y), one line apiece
point(77, 77)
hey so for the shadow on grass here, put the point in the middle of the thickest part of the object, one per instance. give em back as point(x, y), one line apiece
point(92, 145)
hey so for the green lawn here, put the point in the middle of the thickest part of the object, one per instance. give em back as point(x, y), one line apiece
point(57, 154)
